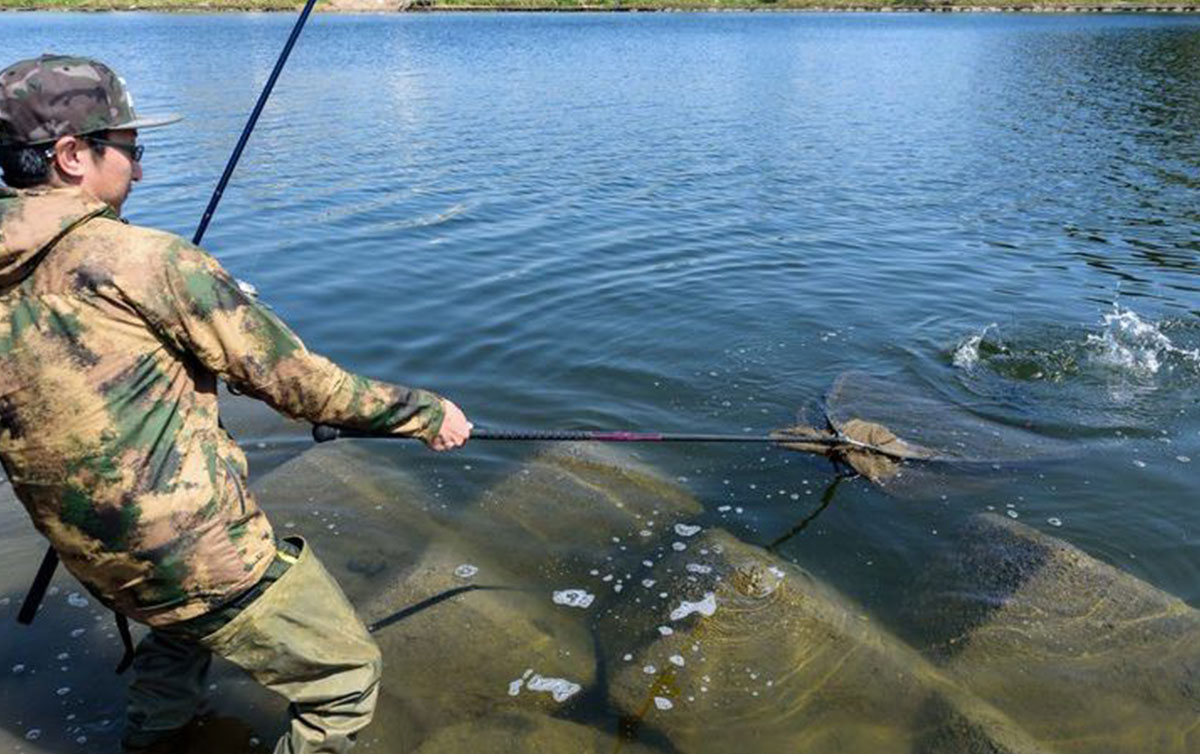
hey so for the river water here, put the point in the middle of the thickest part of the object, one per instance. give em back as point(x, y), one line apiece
point(697, 222)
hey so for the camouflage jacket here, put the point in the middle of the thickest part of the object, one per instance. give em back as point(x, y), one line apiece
point(112, 338)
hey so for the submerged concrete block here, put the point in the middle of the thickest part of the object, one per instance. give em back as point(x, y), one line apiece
point(455, 627)
point(750, 653)
point(1085, 656)
point(559, 514)
point(523, 732)
point(460, 644)
point(366, 520)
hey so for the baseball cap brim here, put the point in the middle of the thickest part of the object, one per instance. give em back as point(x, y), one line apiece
point(140, 123)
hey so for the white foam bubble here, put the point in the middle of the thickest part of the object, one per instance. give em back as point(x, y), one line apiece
point(33, 734)
point(666, 630)
point(678, 546)
point(574, 598)
point(698, 568)
point(676, 660)
point(559, 688)
point(663, 703)
point(466, 571)
point(75, 599)
point(705, 607)
point(1054, 521)
point(686, 530)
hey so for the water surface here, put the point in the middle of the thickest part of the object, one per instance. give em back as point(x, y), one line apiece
point(697, 222)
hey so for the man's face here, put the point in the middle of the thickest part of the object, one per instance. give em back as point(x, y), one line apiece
point(107, 172)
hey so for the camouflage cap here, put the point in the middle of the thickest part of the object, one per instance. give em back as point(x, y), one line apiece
point(61, 95)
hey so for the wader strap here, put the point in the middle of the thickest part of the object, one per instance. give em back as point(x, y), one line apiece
point(127, 640)
point(37, 590)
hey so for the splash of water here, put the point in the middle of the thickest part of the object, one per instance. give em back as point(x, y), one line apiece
point(1131, 344)
point(1123, 345)
point(966, 355)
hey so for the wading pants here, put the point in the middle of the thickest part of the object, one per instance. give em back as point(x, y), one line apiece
point(298, 636)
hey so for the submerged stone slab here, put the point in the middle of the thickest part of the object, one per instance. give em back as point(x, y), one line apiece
point(455, 626)
point(576, 505)
point(750, 653)
point(523, 732)
point(366, 520)
point(1085, 656)
point(463, 639)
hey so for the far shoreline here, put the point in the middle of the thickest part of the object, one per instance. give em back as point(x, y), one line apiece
point(603, 6)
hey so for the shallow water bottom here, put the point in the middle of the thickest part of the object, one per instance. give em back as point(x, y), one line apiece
point(576, 599)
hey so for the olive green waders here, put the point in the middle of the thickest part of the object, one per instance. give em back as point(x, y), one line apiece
point(295, 633)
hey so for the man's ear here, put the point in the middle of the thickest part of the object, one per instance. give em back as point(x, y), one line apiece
point(69, 158)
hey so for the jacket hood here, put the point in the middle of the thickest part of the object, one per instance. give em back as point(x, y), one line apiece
point(32, 220)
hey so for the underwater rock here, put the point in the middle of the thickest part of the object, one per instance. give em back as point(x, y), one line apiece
point(455, 626)
point(504, 734)
point(456, 651)
point(366, 520)
point(1085, 656)
point(760, 656)
point(575, 505)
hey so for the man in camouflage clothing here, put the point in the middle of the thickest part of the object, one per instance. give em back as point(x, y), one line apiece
point(112, 339)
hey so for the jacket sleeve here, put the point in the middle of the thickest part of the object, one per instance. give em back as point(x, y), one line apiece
point(197, 307)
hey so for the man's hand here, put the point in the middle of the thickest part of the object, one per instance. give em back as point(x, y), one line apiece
point(455, 428)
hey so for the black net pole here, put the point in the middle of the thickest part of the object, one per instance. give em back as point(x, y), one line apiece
point(325, 433)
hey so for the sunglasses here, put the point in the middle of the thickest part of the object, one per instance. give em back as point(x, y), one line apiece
point(133, 151)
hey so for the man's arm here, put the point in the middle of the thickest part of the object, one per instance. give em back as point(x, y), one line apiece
point(197, 307)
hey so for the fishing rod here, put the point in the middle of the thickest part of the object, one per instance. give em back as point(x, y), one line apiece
point(37, 590)
point(250, 123)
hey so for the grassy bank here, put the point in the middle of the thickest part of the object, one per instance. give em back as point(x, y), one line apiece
point(603, 5)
